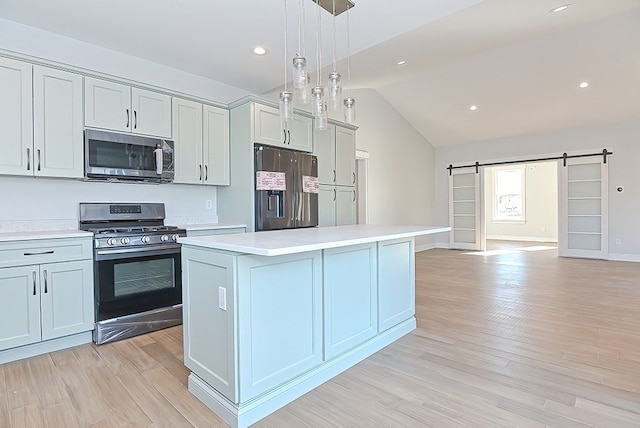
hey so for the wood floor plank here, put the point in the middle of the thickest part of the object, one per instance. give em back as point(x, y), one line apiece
point(29, 416)
point(61, 415)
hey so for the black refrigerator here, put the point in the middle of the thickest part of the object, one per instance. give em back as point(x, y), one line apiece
point(286, 189)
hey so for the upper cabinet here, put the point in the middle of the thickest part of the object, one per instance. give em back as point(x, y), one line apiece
point(120, 107)
point(57, 123)
point(201, 134)
point(268, 129)
point(335, 148)
point(41, 119)
point(16, 144)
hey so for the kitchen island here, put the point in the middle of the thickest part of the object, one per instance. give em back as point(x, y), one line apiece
point(268, 316)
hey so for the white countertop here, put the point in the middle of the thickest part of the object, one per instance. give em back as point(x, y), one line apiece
point(211, 226)
point(291, 241)
point(49, 234)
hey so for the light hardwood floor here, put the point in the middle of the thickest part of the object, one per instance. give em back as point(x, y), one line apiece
point(516, 339)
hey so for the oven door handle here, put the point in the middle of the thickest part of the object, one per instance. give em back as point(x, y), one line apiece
point(122, 253)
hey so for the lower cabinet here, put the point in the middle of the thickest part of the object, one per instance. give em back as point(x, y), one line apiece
point(350, 297)
point(270, 330)
point(396, 282)
point(39, 302)
point(42, 302)
point(337, 205)
point(255, 323)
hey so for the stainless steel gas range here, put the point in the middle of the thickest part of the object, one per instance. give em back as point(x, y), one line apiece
point(137, 269)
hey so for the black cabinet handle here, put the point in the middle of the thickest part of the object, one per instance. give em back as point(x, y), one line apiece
point(127, 125)
point(206, 173)
point(28, 159)
point(135, 119)
point(38, 159)
point(34, 282)
point(334, 195)
point(354, 178)
point(334, 175)
point(354, 196)
point(200, 173)
point(284, 140)
point(45, 281)
point(39, 254)
point(289, 134)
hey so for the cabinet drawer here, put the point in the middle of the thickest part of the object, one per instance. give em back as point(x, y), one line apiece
point(20, 253)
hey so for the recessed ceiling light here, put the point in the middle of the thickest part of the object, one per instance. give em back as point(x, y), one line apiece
point(584, 84)
point(403, 62)
point(473, 108)
point(259, 50)
point(559, 8)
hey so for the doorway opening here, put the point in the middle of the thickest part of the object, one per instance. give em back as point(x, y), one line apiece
point(362, 165)
point(520, 205)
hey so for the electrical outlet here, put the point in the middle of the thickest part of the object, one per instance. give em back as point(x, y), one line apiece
point(222, 298)
point(209, 204)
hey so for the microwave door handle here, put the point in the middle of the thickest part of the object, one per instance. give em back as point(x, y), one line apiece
point(158, 157)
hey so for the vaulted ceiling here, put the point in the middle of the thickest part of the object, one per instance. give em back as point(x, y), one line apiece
point(516, 61)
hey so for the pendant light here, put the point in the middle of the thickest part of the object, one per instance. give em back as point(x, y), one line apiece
point(335, 90)
point(349, 103)
point(286, 96)
point(319, 104)
point(300, 75)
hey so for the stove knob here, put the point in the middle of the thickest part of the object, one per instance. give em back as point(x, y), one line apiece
point(145, 239)
point(164, 238)
point(111, 241)
point(125, 240)
point(175, 237)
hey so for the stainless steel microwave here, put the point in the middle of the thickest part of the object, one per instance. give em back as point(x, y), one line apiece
point(111, 155)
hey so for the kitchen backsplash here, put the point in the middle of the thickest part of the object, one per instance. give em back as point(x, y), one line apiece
point(41, 204)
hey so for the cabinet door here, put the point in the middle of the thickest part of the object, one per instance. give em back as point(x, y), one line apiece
point(345, 205)
point(209, 318)
point(66, 298)
point(396, 282)
point(216, 145)
point(107, 105)
point(187, 128)
point(151, 113)
point(279, 319)
point(57, 123)
point(350, 297)
point(327, 206)
point(324, 147)
point(345, 157)
point(300, 134)
point(16, 144)
point(267, 128)
point(19, 306)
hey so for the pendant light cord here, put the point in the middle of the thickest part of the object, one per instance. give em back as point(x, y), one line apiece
point(348, 54)
point(285, 45)
point(301, 26)
point(334, 35)
point(318, 49)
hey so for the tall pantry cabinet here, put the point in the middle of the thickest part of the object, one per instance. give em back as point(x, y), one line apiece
point(335, 148)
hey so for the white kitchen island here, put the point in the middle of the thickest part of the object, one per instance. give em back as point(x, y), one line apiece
point(268, 316)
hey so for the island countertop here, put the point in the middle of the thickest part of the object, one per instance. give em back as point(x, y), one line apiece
point(291, 241)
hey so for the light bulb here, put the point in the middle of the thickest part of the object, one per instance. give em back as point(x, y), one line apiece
point(300, 78)
point(335, 90)
point(350, 111)
point(319, 108)
point(286, 106)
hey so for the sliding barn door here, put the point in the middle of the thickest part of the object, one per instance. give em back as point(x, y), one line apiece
point(465, 210)
point(583, 194)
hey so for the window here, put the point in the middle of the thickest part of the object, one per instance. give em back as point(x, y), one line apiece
point(509, 194)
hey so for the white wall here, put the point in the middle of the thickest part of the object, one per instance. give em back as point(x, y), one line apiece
point(541, 205)
point(400, 169)
point(30, 41)
point(622, 139)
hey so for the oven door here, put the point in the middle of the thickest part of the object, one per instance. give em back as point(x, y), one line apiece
point(129, 282)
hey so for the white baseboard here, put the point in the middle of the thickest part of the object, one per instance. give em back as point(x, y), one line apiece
point(425, 247)
point(522, 238)
point(40, 348)
point(623, 257)
point(444, 245)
